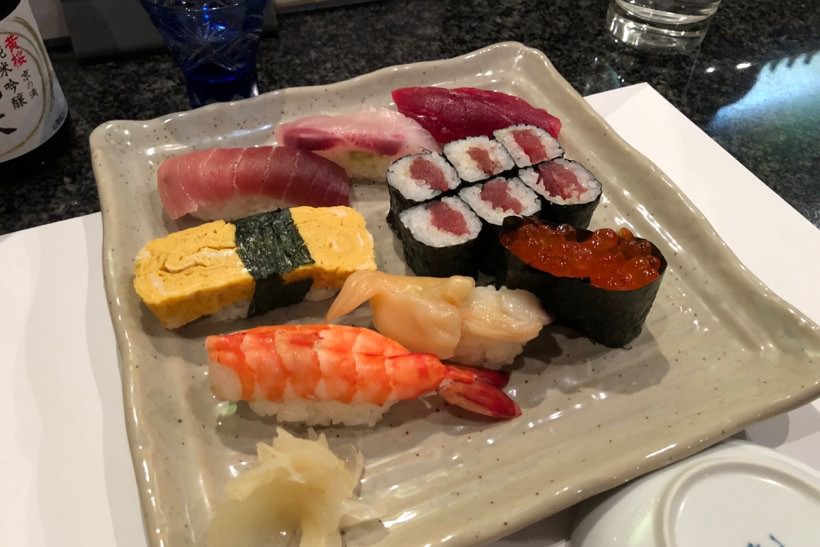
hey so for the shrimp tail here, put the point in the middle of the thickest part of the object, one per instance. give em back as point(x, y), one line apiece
point(478, 391)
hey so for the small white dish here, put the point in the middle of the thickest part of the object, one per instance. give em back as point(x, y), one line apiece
point(734, 494)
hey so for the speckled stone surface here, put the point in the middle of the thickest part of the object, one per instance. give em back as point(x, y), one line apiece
point(753, 85)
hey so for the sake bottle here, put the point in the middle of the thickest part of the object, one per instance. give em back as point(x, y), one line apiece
point(33, 109)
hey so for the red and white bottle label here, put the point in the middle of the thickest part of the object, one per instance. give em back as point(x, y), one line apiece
point(32, 105)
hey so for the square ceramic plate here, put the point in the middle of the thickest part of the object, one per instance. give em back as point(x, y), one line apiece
point(718, 352)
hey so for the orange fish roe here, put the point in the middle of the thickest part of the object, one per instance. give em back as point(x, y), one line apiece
point(611, 260)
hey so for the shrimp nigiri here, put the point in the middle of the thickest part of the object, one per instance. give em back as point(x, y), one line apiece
point(323, 374)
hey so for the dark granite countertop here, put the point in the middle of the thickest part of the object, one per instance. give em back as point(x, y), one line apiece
point(753, 85)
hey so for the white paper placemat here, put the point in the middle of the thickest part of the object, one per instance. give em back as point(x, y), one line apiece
point(62, 438)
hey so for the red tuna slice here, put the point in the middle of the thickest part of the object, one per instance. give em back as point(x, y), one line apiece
point(211, 178)
point(532, 146)
point(559, 181)
point(452, 114)
point(427, 171)
point(497, 193)
point(482, 157)
point(447, 219)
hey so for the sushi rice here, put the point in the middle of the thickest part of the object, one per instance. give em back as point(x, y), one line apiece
point(469, 169)
point(321, 412)
point(228, 386)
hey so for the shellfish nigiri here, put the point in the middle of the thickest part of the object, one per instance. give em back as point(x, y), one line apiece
point(448, 317)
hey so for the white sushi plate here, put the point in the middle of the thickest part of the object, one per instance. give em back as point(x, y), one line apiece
point(714, 358)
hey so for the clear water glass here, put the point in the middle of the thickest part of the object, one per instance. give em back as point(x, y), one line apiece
point(661, 24)
point(214, 42)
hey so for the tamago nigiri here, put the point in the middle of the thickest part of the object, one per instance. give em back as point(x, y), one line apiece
point(323, 374)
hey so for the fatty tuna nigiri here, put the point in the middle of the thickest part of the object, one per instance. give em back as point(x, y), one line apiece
point(364, 143)
point(453, 114)
point(230, 183)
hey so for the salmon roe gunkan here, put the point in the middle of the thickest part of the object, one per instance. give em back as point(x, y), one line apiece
point(611, 260)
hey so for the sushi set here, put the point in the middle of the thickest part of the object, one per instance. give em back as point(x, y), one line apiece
point(601, 283)
point(452, 280)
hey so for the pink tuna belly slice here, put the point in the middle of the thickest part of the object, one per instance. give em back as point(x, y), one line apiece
point(222, 182)
point(364, 143)
point(447, 219)
point(318, 140)
point(308, 138)
point(430, 173)
point(559, 181)
point(498, 194)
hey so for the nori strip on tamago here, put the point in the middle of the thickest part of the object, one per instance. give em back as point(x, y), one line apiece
point(611, 317)
point(270, 246)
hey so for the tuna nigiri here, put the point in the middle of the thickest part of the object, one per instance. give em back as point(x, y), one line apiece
point(323, 374)
point(230, 183)
point(448, 317)
point(364, 143)
point(453, 114)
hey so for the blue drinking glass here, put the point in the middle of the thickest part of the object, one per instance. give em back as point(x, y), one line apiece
point(214, 42)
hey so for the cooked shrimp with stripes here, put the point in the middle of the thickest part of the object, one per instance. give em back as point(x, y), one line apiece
point(324, 374)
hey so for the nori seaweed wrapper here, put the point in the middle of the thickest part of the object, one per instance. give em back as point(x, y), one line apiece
point(577, 215)
point(399, 203)
point(269, 244)
point(491, 252)
point(610, 317)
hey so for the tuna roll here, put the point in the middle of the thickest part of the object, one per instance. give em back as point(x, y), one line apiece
point(569, 192)
point(528, 144)
point(493, 201)
point(440, 238)
point(478, 158)
point(417, 178)
point(601, 283)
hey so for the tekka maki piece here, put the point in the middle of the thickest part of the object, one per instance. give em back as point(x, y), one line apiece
point(493, 201)
point(417, 178)
point(478, 158)
point(601, 283)
point(247, 267)
point(440, 238)
point(528, 144)
point(569, 192)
